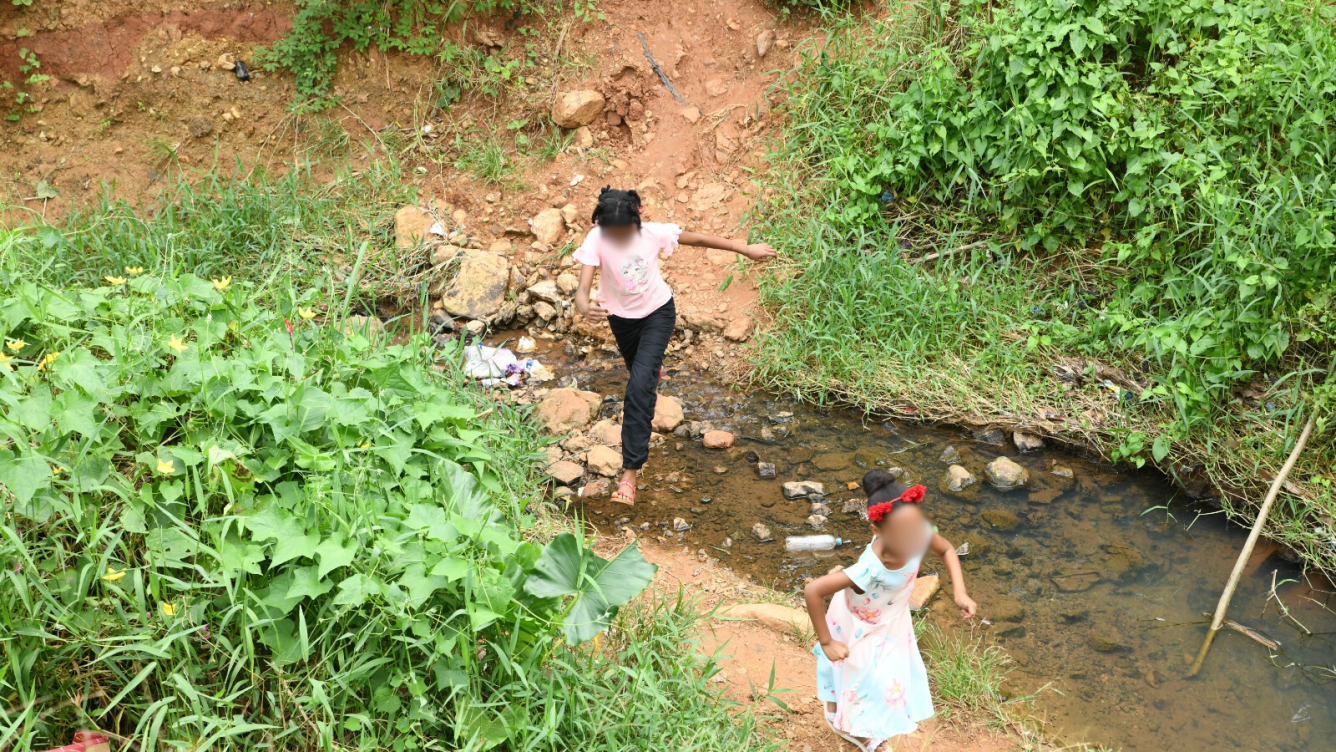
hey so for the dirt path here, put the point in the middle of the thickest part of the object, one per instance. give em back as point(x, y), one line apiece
point(752, 649)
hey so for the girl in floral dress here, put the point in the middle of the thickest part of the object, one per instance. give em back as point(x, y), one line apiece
point(869, 671)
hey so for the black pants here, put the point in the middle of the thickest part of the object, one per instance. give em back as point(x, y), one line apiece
point(642, 343)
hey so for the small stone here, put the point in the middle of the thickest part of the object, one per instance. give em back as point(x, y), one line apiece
point(545, 290)
point(762, 533)
point(816, 521)
point(1006, 475)
point(720, 470)
point(820, 507)
point(1062, 471)
point(767, 434)
point(226, 61)
point(1027, 442)
point(667, 414)
point(565, 410)
point(831, 462)
point(597, 488)
point(765, 470)
point(800, 489)
point(200, 127)
point(950, 456)
point(764, 41)
point(1000, 519)
point(576, 108)
point(991, 435)
point(691, 114)
point(739, 329)
point(706, 499)
point(544, 310)
point(716, 87)
point(475, 327)
point(1005, 609)
point(412, 226)
point(957, 479)
point(548, 226)
point(584, 138)
point(717, 439)
point(1104, 644)
point(680, 525)
point(925, 587)
point(565, 472)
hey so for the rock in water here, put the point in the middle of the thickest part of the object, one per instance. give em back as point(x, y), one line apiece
point(667, 414)
point(605, 461)
point(1026, 442)
point(1062, 471)
point(480, 288)
point(1001, 519)
point(799, 489)
point(576, 108)
point(816, 521)
point(1104, 644)
point(717, 439)
point(764, 41)
point(762, 533)
point(1005, 609)
point(831, 462)
point(1006, 475)
point(958, 479)
point(566, 410)
point(412, 226)
point(925, 588)
point(991, 435)
point(548, 226)
point(950, 456)
point(565, 472)
point(765, 470)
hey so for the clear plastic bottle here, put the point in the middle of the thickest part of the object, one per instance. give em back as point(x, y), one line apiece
point(797, 543)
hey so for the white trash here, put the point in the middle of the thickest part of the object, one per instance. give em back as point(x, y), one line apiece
point(482, 362)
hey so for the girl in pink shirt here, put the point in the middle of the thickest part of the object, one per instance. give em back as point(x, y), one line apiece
point(638, 306)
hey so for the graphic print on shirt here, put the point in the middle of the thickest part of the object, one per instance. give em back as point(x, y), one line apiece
point(634, 272)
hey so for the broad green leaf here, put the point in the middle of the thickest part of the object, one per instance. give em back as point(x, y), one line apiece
point(291, 536)
point(600, 586)
point(74, 412)
point(24, 474)
point(80, 369)
point(420, 585)
point(335, 551)
point(452, 568)
point(236, 554)
point(355, 589)
point(307, 583)
point(34, 411)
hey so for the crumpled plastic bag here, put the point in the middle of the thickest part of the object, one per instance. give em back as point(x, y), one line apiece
point(483, 362)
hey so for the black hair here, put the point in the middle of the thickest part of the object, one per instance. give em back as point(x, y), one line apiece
point(881, 486)
point(617, 208)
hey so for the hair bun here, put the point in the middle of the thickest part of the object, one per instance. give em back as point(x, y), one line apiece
point(875, 480)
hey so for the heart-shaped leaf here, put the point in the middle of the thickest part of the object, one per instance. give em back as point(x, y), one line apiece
point(568, 568)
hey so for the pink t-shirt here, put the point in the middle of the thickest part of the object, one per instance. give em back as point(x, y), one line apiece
point(630, 282)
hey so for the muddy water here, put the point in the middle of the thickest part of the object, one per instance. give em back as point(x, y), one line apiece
point(1098, 591)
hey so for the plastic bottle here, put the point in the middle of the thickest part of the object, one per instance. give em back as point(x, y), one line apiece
point(796, 543)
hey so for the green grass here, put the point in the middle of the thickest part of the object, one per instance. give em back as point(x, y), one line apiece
point(967, 675)
point(1164, 330)
point(220, 532)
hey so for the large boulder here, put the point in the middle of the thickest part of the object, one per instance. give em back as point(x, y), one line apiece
point(576, 108)
point(412, 226)
point(1006, 475)
point(667, 414)
point(604, 460)
point(566, 410)
point(548, 226)
point(480, 288)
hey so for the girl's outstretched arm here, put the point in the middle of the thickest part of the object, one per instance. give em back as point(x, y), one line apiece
point(755, 251)
point(815, 594)
point(947, 553)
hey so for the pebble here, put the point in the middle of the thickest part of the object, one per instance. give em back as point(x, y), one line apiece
point(680, 525)
point(950, 456)
point(762, 533)
point(765, 470)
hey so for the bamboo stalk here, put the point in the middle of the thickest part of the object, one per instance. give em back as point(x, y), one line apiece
point(1256, 533)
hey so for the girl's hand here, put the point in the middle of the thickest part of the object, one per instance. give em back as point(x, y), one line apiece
point(835, 650)
point(968, 608)
point(594, 311)
point(758, 251)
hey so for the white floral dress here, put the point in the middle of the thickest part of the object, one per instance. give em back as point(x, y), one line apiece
point(881, 689)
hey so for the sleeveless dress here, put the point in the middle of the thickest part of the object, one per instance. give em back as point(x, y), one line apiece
point(881, 689)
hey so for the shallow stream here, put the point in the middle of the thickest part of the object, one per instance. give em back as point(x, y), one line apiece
point(1098, 585)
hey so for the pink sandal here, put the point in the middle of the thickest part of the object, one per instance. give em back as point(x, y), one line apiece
point(629, 499)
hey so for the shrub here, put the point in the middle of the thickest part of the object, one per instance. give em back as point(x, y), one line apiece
point(233, 524)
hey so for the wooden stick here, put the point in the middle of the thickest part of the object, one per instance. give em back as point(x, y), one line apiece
point(1256, 533)
point(951, 251)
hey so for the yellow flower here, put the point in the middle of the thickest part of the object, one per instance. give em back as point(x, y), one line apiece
point(167, 468)
point(133, 270)
point(115, 280)
point(112, 574)
point(221, 284)
point(4, 362)
point(47, 360)
point(15, 345)
point(57, 469)
point(168, 609)
point(306, 313)
point(177, 344)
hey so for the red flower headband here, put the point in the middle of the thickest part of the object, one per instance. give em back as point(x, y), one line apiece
point(911, 495)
